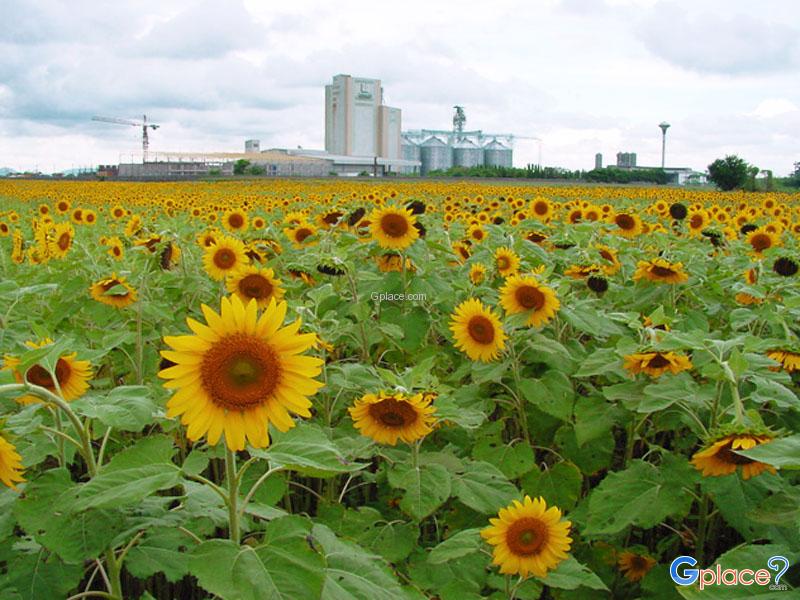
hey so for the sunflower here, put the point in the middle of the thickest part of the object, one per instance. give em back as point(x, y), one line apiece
point(528, 538)
point(506, 261)
point(541, 209)
point(208, 237)
point(300, 235)
point(63, 206)
point(61, 240)
point(115, 248)
point(790, 361)
point(17, 247)
point(388, 417)
point(255, 283)
point(718, 457)
point(133, 226)
point(113, 291)
point(235, 221)
point(72, 375)
point(476, 233)
point(239, 373)
point(656, 364)
point(392, 262)
point(224, 257)
point(117, 212)
point(628, 225)
point(527, 295)
point(635, 566)
point(760, 239)
point(609, 255)
point(393, 227)
point(477, 331)
point(477, 273)
point(581, 271)
point(697, 221)
point(660, 270)
point(10, 464)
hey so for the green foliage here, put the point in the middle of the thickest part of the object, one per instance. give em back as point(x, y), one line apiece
point(617, 175)
point(729, 173)
point(240, 166)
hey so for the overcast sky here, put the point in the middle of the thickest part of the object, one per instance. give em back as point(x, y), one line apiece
point(585, 76)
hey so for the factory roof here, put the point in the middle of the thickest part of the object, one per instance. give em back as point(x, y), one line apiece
point(267, 156)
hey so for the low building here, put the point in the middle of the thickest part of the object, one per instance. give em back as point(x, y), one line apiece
point(347, 165)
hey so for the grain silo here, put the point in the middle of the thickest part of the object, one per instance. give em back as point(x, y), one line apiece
point(467, 154)
point(496, 154)
point(409, 150)
point(435, 155)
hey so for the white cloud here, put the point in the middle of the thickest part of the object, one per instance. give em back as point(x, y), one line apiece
point(774, 107)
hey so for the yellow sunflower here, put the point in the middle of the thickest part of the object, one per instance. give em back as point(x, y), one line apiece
point(388, 417)
point(393, 227)
point(72, 375)
point(113, 291)
point(528, 538)
point(477, 331)
point(255, 283)
point(761, 239)
point(790, 361)
point(660, 270)
point(628, 225)
point(718, 458)
point(527, 295)
point(115, 248)
point(477, 273)
point(541, 209)
point(239, 373)
point(61, 240)
point(635, 566)
point(224, 257)
point(302, 235)
point(656, 364)
point(235, 221)
point(391, 262)
point(609, 255)
point(10, 464)
point(506, 261)
point(581, 271)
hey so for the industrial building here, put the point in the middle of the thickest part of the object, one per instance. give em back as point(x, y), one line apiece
point(441, 149)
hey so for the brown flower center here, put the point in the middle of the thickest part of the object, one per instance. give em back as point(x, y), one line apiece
point(529, 297)
point(527, 536)
point(481, 329)
point(236, 221)
point(255, 286)
point(224, 258)
point(607, 255)
point(38, 375)
point(760, 242)
point(63, 241)
point(696, 221)
point(540, 208)
point(332, 217)
point(625, 222)
point(302, 233)
point(394, 226)
point(725, 454)
point(240, 372)
point(393, 413)
point(503, 262)
point(658, 361)
point(638, 563)
point(659, 271)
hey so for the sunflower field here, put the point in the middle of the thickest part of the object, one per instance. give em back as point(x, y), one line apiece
point(404, 390)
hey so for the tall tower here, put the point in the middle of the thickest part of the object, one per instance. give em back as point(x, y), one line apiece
point(664, 126)
point(598, 161)
point(357, 123)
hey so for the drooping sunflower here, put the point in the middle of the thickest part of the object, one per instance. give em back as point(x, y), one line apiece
point(387, 417)
point(477, 273)
point(72, 375)
point(628, 225)
point(477, 331)
point(660, 271)
point(223, 257)
point(609, 255)
point(133, 226)
point(114, 291)
point(718, 458)
point(17, 247)
point(634, 566)
point(393, 227)
point(235, 221)
point(790, 361)
point(761, 239)
point(255, 283)
point(656, 364)
point(239, 373)
point(506, 261)
point(581, 271)
point(60, 240)
point(392, 262)
point(10, 464)
point(528, 538)
point(527, 295)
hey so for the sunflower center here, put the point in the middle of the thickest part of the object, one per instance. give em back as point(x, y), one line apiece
point(63, 241)
point(302, 234)
point(38, 375)
point(725, 454)
point(638, 563)
point(658, 361)
point(393, 413)
point(659, 271)
point(224, 258)
point(761, 242)
point(255, 286)
point(607, 255)
point(394, 225)
point(240, 372)
point(696, 221)
point(530, 297)
point(503, 262)
point(540, 208)
point(625, 222)
point(481, 329)
point(332, 217)
point(236, 220)
point(526, 536)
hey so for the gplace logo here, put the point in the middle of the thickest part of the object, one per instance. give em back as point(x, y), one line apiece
point(720, 576)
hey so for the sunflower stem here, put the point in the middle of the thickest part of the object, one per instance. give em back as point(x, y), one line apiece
point(702, 525)
point(113, 568)
point(520, 401)
point(233, 494)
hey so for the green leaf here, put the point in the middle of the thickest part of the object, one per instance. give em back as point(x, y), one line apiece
point(768, 390)
point(212, 563)
point(460, 544)
point(307, 449)
point(642, 495)
point(427, 487)
point(600, 362)
point(514, 460)
point(484, 488)
point(594, 418)
point(667, 390)
point(127, 408)
point(783, 453)
point(160, 551)
point(38, 575)
point(552, 394)
point(448, 409)
point(126, 486)
point(570, 575)
point(145, 452)
point(393, 540)
point(560, 485)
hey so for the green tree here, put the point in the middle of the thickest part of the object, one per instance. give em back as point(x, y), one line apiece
point(730, 173)
point(240, 166)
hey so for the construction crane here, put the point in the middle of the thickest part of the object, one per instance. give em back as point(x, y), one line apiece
point(143, 124)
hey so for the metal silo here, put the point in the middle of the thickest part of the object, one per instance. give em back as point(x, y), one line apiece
point(435, 155)
point(410, 150)
point(496, 154)
point(467, 154)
